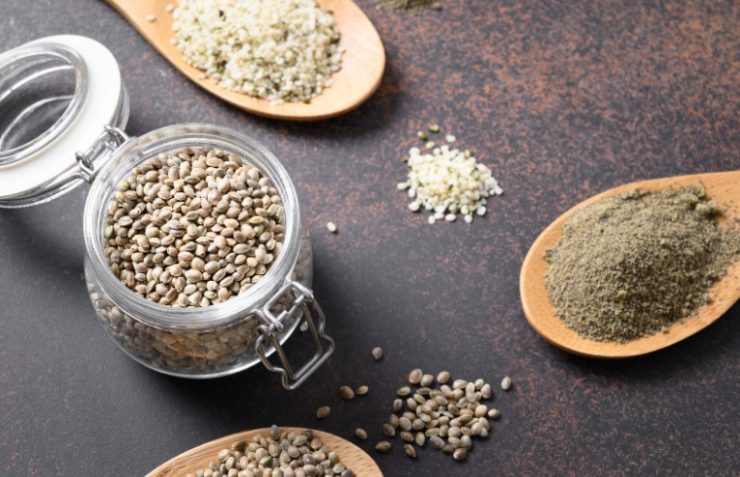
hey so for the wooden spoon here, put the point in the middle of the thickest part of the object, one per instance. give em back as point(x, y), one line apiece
point(198, 458)
point(363, 61)
point(724, 187)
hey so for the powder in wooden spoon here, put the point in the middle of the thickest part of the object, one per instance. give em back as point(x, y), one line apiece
point(631, 265)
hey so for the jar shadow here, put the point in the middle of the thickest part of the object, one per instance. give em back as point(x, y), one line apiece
point(47, 237)
point(254, 398)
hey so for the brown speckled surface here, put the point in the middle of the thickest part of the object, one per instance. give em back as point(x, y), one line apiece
point(562, 99)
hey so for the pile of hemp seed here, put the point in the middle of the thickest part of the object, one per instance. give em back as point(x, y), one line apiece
point(445, 413)
point(280, 454)
point(193, 227)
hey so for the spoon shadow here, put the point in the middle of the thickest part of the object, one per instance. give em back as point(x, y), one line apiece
point(715, 343)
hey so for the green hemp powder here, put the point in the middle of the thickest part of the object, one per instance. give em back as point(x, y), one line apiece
point(631, 265)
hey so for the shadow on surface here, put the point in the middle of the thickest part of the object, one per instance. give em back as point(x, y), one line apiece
point(710, 344)
point(383, 104)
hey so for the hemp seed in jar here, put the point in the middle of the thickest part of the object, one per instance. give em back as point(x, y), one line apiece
point(197, 261)
point(193, 227)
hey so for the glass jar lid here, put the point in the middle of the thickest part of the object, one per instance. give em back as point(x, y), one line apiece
point(57, 97)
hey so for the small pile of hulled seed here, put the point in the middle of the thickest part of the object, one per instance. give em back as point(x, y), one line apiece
point(193, 227)
point(281, 454)
point(448, 416)
point(446, 181)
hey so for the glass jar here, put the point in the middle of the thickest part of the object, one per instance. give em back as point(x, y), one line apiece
point(45, 129)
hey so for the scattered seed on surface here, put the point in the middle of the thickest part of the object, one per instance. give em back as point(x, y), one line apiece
point(323, 412)
point(360, 433)
point(346, 393)
point(397, 405)
point(151, 18)
point(434, 128)
point(361, 390)
point(494, 413)
point(409, 450)
point(383, 447)
point(460, 454)
point(377, 353)
point(331, 227)
point(506, 383)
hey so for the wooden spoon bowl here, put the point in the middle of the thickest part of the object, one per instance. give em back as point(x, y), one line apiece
point(723, 187)
point(199, 457)
point(363, 61)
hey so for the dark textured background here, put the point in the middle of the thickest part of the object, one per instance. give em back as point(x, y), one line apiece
point(562, 99)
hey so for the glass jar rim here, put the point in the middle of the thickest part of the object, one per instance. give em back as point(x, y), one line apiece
point(171, 138)
point(35, 54)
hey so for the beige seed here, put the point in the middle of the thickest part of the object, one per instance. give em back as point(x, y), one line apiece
point(377, 353)
point(360, 433)
point(362, 390)
point(415, 376)
point(403, 391)
point(323, 412)
point(443, 377)
point(346, 393)
point(436, 442)
point(426, 380)
point(212, 267)
point(383, 447)
point(506, 383)
point(193, 276)
point(494, 413)
point(409, 450)
point(460, 454)
point(406, 436)
point(405, 423)
point(389, 430)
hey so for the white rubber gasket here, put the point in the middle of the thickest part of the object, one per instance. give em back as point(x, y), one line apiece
point(104, 94)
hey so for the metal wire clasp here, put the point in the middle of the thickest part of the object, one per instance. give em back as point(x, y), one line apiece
point(110, 139)
point(303, 306)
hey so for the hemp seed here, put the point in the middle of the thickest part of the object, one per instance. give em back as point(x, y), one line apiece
point(383, 447)
point(278, 454)
point(415, 376)
point(323, 412)
point(409, 450)
point(346, 393)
